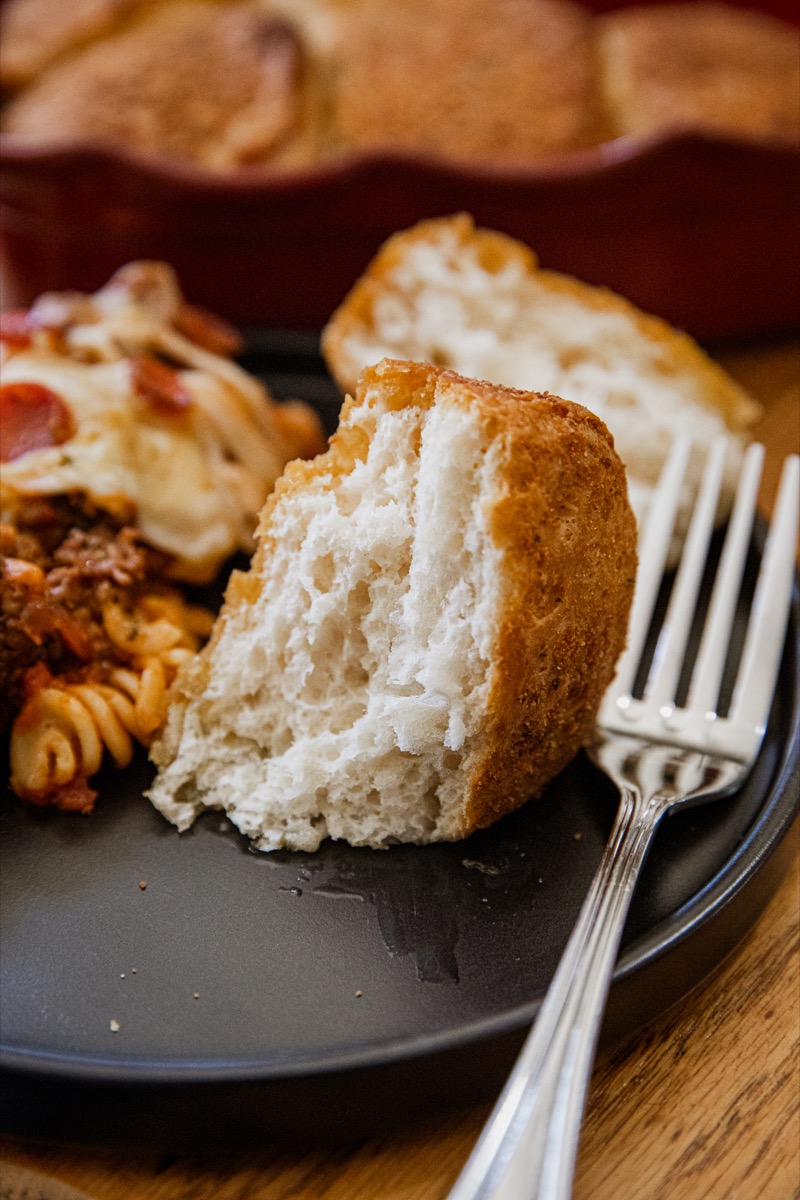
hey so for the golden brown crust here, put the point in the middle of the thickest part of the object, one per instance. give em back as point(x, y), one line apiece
point(486, 81)
point(569, 538)
point(700, 66)
point(494, 80)
point(562, 518)
point(221, 85)
point(35, 32)
point(355, 315)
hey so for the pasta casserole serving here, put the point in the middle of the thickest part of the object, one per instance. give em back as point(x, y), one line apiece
point(136, 454)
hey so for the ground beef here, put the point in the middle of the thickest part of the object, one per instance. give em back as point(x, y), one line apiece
point(53, 615)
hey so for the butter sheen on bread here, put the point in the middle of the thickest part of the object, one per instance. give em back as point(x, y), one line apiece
point(433, 613)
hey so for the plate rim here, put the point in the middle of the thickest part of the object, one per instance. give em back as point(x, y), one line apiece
point(770, 826)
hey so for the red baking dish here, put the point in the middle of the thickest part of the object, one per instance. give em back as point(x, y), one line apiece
point(702, 230)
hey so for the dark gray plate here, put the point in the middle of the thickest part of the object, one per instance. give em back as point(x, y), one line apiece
point(333, 994)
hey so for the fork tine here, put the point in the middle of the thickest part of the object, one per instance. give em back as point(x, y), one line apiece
point(710, 662)
point(758, 671)
point(653, 551)
point(671, 646)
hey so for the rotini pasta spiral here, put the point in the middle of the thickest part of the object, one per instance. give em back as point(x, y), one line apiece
point(135, 450)
point(59, 737)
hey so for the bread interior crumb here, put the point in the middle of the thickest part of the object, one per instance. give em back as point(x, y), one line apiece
point(392, 552)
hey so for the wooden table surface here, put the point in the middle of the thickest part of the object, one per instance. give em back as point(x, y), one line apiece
point(702, 1104)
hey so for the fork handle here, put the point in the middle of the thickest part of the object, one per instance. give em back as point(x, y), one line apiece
point(528, 1147)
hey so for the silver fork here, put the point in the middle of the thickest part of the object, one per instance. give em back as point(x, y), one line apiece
point(660, 756)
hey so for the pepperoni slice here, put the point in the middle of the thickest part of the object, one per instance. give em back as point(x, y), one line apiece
point(206, 329)
point(157, 383)
point(15, 328)
point(32, 417)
